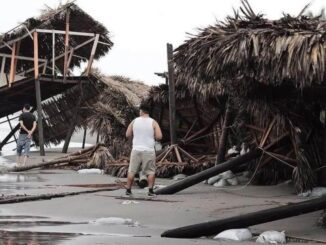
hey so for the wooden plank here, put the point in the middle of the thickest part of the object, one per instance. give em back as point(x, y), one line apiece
point(172, 112)
point(91, 58)
point(3, 63)
point(65, 67)
point(177, 153)
point(12, 65)
point(18, 57)
point(53, 53)
point(265, 136)
point(71, 33)
point(39, 113)
point(61, 55)
point(36, 64)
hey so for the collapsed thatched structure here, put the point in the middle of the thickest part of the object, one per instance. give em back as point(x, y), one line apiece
point(104, 104)
point(198, 121)
point(274, 72)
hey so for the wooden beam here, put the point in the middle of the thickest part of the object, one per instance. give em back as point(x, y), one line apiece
point(36, 64)
point(11, 133)
point(173, 135)
point(12, 65)
point(18, 57)
point(91, 58)
point(3, 63)
point(70, 57)
point(53, 53)
point(71, 33)
point(61, 55)
point(65, 67)
point(38, 95)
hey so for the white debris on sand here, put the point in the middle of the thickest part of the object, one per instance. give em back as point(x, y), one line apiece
point(273, 237)
point(234, 235)
point(90, 171)
point(128, 202)
point(114, 221)
point(223, 179)
point(233, 151)
point(179, 177)
point(315, 192)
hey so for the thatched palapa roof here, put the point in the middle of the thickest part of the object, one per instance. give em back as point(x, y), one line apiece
point(55, 19)
point(247, 50)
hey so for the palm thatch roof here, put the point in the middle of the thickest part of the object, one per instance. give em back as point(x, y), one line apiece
point(247, 51)
point(272, 72)
point(107, 104)
point(55, 19)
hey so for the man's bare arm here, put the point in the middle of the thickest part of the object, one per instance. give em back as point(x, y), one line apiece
point(157, 131)
point(33, 128)
point(129, 130)
point(23, 126)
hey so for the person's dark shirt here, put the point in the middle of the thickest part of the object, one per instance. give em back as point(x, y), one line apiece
point(28, 120)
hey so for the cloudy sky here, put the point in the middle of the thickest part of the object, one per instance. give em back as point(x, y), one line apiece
point(140, 29)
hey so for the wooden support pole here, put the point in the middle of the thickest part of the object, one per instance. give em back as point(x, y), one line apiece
point(11, 128)
point(73, 122)
point(245, 220)
point(223, 139)
point(3, 63)
point(173, 135)
point(7, 138)
point(38, 96)
point(206, 174)
point(53, 53)
point(12, 65)
point(91, 58)
point(65, 68)
point(84, 137)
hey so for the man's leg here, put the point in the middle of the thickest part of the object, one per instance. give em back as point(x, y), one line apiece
point(19, 150)
point(27, 147)
point(149, 168)
point(134, 165)
point(151, 181)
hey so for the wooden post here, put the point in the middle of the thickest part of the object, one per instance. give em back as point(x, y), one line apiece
point(12, 132)
point(72, 125)
point(38, 95)
point(53, 53)
point(173, 135)
point(224, 135)
point(84, 137)
point(3, 67)
point(12, 65)
point(65, 68)
point(91, 58)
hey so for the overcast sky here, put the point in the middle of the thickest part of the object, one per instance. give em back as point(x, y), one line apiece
point(140, 29)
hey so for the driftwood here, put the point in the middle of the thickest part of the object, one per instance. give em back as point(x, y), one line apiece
point(206, 174)
point(76, 157)
point(50, 196)
point(246, 220)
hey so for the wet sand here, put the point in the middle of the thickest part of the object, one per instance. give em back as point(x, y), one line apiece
point(68, 220)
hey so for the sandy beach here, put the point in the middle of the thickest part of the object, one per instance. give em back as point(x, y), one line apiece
point(74, 219)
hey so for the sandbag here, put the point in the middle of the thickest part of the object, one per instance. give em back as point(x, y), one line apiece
point(234, 235)
point(273, 237)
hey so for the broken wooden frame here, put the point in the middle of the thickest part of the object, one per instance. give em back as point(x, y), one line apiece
point(14, 46)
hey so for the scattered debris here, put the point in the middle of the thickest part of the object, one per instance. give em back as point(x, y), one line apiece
point(114, 221)
point(90, 171)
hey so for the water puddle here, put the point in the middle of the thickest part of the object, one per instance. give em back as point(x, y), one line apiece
point(34, 238)
point(18, 178)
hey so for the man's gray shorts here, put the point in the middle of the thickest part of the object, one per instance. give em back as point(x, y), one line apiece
point(23, 145)
point(142, 160)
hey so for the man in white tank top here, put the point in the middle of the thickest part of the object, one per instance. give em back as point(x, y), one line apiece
point(144, 131)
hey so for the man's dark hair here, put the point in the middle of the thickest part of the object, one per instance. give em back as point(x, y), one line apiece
point(27, 107)
point(144, 107)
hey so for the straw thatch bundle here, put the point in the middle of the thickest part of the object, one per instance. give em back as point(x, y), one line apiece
point(55, 19)
point(274, 73)
point(248, 50)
